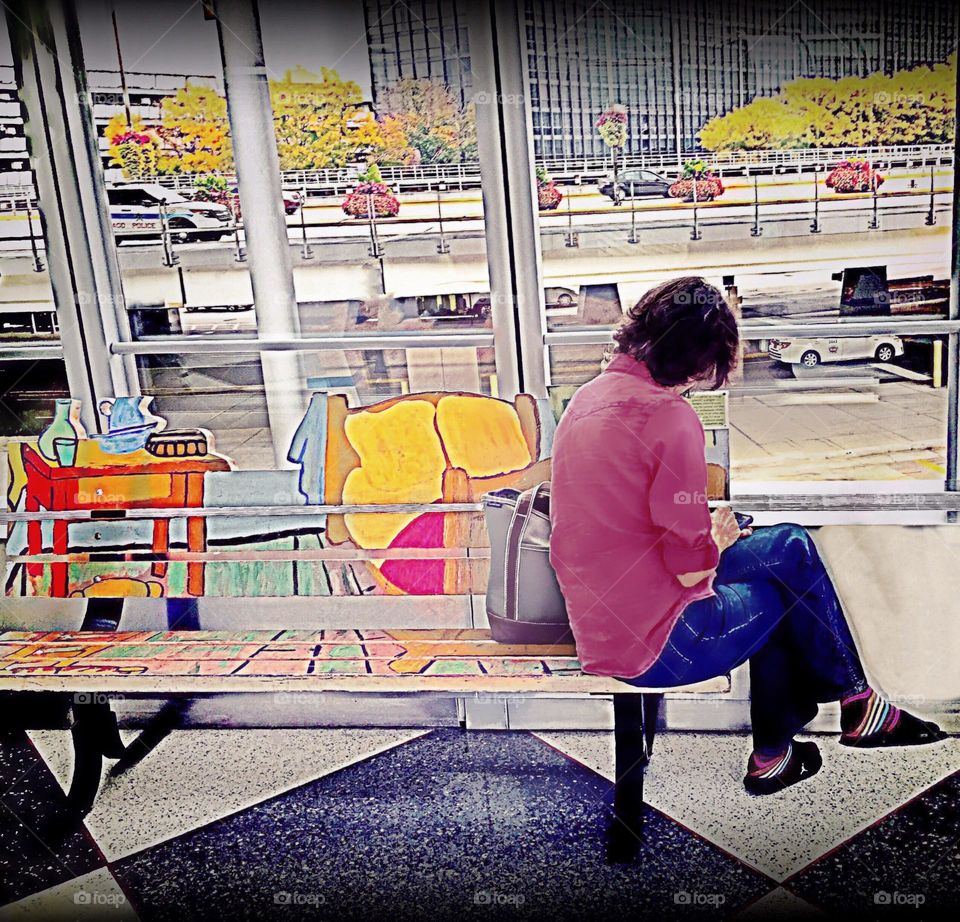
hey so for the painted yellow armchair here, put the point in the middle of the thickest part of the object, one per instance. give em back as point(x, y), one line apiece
point(425, 448)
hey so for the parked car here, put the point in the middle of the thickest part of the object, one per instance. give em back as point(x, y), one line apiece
point(292, 200)
point(135, 213)
point(636, 184)
point(811, 352)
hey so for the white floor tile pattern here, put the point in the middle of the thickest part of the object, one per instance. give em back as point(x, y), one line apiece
point(696, 779)
point(94, 897)
point(197, 776)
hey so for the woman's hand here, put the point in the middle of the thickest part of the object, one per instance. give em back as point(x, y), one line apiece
point(725, 529)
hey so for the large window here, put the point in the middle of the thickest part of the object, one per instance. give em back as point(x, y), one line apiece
point(379, 188)
point(654, 153)
point(754, 145)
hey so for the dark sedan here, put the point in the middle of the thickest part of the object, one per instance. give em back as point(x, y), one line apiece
point(636, 184)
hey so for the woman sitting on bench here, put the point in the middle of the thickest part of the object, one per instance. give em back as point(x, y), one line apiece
point(660, 592)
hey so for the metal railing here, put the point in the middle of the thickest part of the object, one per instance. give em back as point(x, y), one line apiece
point(307, 232)
point(767, 330)
point(466, 175)
point(757, 161)
point(919, 501)
point(167, 345)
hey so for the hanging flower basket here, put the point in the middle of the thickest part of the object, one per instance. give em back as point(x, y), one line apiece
point(132, 137)
point(612, 126)
point(385, 203)
point(136, 153)
point(709, 187)
point(853, 176)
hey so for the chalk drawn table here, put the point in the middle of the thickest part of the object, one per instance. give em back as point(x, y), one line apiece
point(105, 482)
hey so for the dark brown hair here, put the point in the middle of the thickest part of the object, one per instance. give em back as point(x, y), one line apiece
point(683, 330)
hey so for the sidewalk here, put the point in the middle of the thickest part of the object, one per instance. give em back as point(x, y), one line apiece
point(901, 435)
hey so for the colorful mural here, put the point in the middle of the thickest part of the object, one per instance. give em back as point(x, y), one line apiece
point(419, 448)
point(423, 449)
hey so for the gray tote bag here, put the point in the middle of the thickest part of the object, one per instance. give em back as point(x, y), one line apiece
point(524, 602)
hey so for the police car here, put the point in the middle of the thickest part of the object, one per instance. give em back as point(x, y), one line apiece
point(135, 212)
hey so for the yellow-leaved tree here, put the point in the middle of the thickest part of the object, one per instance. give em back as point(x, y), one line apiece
point(908, 107)
point(195, 131)
point(319, 120)
point(422, 121)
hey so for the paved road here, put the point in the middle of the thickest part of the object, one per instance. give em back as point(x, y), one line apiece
point(905, 195)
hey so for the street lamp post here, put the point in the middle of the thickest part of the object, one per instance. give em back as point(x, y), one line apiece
point(572, 238)
point(169, 257)
point(815, 223)
point(37, 262)
point(375, 250)
point(617, 199)
point(633, 238)
point(239, 254)
point(931, 217)
point(442, 246)
point(874, 222)
point(306, 251)
point(756, 230)
point(695, 233)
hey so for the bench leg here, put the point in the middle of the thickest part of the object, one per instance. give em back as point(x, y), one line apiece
point(167, 719)
point(635, 723)
point(95, 737)
point(102, 614)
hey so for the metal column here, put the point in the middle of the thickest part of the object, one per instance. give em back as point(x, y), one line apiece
point(84, 272)
point(511, 216)
point(261, 201)
point(953, 339)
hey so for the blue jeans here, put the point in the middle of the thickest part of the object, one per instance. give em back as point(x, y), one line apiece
point(776, 607)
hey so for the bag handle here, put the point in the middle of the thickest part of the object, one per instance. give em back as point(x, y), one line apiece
point(526, 503)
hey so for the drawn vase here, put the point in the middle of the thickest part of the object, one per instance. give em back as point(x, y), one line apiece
point(130, 423)
point(64, 427)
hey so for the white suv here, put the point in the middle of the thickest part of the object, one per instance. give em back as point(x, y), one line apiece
point(811, 352)
point(135, 212)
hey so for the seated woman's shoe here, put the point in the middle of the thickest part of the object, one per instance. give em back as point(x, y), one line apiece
point(867, 721)
point(799, 762)
point(907, 730)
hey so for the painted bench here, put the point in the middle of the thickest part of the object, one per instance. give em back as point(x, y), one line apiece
point(90, 666)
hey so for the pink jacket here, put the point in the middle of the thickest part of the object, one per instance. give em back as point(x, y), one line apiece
point(629, 513)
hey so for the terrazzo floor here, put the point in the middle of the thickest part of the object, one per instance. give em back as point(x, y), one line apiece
point(355, 824)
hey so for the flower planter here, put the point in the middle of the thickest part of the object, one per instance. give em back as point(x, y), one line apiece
point(548, 196)
point(853, 176)
point(223, 197)
point(385, 204)
point(708, 188)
